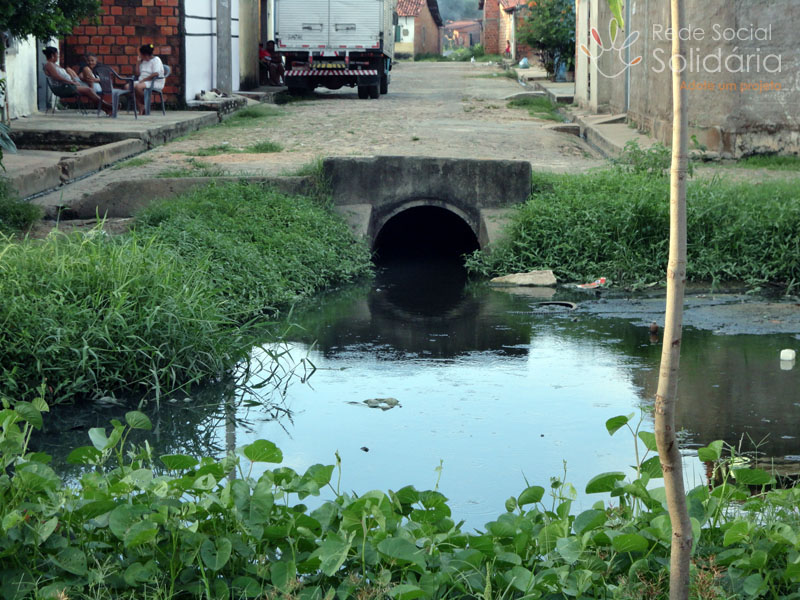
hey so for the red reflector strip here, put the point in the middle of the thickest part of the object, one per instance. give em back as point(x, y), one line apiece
point(329, 72)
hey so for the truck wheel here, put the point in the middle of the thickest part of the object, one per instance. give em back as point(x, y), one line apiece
point(384, 84)
point(362, 92)
point(374, 92)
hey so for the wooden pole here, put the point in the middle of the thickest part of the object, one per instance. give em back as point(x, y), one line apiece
point(224, 65)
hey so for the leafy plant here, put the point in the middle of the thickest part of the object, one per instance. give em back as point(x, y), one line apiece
point(136, 524)
point(539, 107)
point(15, 215)
point(549, 28)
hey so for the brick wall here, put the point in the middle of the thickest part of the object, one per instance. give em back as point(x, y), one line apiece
point(427, 35)
point(491, 27)
point(126, 25)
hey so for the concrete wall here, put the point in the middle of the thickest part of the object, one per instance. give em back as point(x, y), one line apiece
point(726, 114)
point(406, 43)
point(249, 38)
point(21, 78)
point(200, 43)
point(126, 25)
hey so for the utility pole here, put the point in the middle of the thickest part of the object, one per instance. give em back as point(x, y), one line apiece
point(224, 46)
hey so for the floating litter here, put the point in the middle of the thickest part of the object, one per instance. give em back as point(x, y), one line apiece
point(788, 354)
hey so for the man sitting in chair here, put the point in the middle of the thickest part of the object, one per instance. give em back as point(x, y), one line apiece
point(272, 62)
point(69, 77)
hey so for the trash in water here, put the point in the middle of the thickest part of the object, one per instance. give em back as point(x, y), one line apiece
point(594, 284)
point(382, 403)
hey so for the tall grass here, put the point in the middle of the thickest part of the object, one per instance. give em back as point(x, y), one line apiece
point(91, 316)
point(15, 215)
point(264, 249)
point(163, 306)
point(615, 224)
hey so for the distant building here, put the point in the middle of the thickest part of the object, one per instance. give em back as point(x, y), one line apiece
point(501, 23)
point(742, 72)
point(463, 34)
point(419, 28)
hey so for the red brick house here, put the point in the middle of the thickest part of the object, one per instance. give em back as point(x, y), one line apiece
point(419, 28)
point(124, 26)
point(501, 23)
point(183, 33)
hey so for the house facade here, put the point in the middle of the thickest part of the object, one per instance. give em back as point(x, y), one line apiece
point(21, 65)
point(741, 72)
point(463, 34)
point(184, 35)
point(419, 28)
point(502, 20)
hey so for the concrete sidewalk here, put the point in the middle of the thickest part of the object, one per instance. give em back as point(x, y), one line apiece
point(608, 133)
point(57, 149)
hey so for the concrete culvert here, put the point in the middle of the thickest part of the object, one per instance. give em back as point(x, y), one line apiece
point(424, 232)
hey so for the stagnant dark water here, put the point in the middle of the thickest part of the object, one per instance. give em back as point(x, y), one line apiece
point(493, 384)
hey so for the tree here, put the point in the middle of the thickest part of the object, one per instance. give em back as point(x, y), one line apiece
point(44, 19)
point(550, 29)
point(666, 395)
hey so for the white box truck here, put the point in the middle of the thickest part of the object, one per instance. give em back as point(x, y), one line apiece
point(333, 43)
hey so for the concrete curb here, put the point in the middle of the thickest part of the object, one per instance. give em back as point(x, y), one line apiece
point(122, 199)
point(93, 159)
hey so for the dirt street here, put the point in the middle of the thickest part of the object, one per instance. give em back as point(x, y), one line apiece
point(434, 109)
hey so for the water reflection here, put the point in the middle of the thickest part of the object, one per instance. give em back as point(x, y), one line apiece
point(491, 382)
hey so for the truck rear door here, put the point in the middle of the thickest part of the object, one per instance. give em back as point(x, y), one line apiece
point(303, 24)
point(355, 23)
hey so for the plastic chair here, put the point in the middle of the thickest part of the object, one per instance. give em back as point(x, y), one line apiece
point(148, 92)
point(63, 90)
point(106, 75)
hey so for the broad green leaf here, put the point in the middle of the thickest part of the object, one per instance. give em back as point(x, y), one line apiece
point(604, 482)
point(321, 474)
point(521, 579)
point(649, 440)
point(216, 554)
point(752, 476)
point(332, 553)
point(261, 502)
point(530, 495)
point(711, 452)
point(754, 585)
point(402, 549)
point(40, 405)
point(72, 560)
point(85, 455)
point(738, 531)
point(569, 548)
point(138, 573)
point(29, 413)
point(588, 520)
point(652, 468)
point(98, 437)
point(138, 420)
point(792, 572)
point(283, 575)
point(94, 509)
point(630, 542)
point(263, 451)
point(37, 477)
point(511, 504)
point(44, 530)
point(616, 10)
point(549, 535)
point(140, 533)
point(615, 423)
point(509, 557)
point(246, 586)
point(122, 518)
point(205, 483)
point(12, 519)
point(179, 462)
point(406, 591)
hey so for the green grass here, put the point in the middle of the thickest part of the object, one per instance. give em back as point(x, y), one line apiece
point(251, 115)
point(264, 147)
point(139, 161)
point(770, 162)
point(15, 215)
point(193, 168)
point(616, 225)
point(508, 73)
point(540, 107)
point(162, 307)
